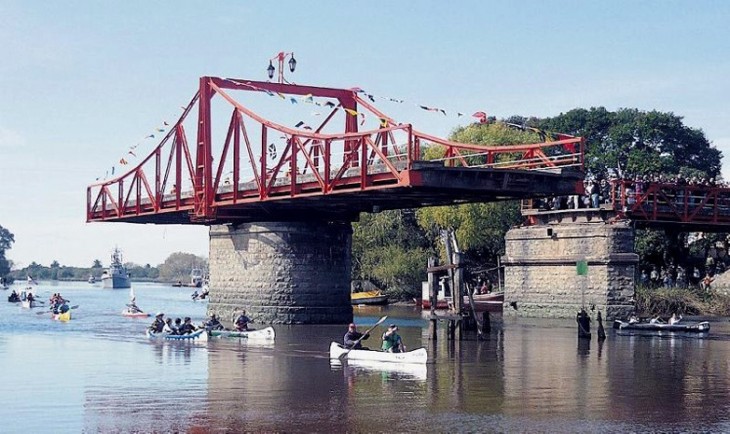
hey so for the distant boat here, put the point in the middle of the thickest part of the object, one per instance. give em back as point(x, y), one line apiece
point(491, 302)
point(116, 276)
point(368, 297)
point(196, 277)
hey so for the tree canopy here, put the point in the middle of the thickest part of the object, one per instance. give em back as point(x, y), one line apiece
point(637, 142)
point(6, 241)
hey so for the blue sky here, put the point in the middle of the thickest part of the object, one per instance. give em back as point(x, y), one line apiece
point(81, 81)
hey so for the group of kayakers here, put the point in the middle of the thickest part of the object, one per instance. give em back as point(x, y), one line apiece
point(391, 340)
point(185, 326)
point(166, 325)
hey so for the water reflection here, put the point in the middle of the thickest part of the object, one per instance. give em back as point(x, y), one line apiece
point(98, 373)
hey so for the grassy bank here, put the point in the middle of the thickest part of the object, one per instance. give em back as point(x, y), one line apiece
point(687, 301)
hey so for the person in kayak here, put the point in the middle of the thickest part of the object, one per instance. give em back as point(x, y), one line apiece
point(187, 327)
point(213, 324)
point(241, 322)
point(353, 337)
point(392, 342)
point(158, 324)
point(176, 326)
point(168, 327)
point(133, 306)
point(675, 319)
point(14, 297)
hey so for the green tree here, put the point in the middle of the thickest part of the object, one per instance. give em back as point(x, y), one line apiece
point(178, 265)
point(97, 264)
point(390, 249)
point(639, 142)
point(479, 227)
point(6, 241)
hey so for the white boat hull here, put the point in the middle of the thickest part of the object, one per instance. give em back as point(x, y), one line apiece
point(337, 351)
point(266, 334)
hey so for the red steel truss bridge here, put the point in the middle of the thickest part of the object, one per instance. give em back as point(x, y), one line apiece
point(230, 164)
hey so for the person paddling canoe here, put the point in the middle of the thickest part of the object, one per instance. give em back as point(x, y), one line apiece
point(241, 322)
point(353, 337)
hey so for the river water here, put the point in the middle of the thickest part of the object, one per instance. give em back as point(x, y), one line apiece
point(98, 373)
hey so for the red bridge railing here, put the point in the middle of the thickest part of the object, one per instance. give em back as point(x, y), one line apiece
point(662, 202)
point(252, 159)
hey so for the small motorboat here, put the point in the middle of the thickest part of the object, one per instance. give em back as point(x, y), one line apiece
point(338, 351)
point(368, 297)
point(263, 334)
point(198, 335)
point(700, 327)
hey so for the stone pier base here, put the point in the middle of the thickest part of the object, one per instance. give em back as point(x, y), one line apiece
point(281, 272)
point(541, 278)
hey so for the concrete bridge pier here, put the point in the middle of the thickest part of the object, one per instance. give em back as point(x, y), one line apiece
point(542, 278)
point(282, 272)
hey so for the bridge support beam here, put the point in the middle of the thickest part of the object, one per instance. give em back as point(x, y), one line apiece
point(542, 277)
point(282, 272)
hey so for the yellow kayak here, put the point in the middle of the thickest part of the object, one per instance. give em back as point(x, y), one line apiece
point(66, 316)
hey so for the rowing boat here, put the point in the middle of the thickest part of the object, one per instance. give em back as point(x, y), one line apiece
point(701, 327)
point(266, 334)
point(416, 356)
point(66, 316)
point(198, 335)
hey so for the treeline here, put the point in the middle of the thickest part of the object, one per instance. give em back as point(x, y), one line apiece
point(176, 268)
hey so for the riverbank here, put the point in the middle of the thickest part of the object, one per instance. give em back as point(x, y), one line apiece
point(687, 301)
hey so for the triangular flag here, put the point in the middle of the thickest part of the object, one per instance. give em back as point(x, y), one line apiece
point(122, 161)
point(293, 100)
point(481, 116)
point(371, 98)
point(383, 123)
point(299, 124)
point(160, 130)
point(150, 136)
point(329, 104)
point(308, 98)
point(362, 121)
point(130, 152)
point(165, 123)
point(351, 111)
point(112, 170)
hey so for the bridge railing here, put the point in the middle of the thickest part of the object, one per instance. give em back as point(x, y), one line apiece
point(671, 202)
point(252, 159)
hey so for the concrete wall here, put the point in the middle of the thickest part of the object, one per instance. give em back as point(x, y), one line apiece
point(282, 272)
point(541, 276)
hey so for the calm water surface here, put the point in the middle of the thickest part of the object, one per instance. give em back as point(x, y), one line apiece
point(98, 373)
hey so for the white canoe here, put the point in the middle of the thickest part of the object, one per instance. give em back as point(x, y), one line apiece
point(416, 356)
point(266, 334)
point(198, 335)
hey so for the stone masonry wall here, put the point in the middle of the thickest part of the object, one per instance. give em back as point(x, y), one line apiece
point(281, 272)
point(541, 278)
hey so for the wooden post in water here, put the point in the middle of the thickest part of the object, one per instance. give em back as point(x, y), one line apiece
point(458, 293)
point(433, 298)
